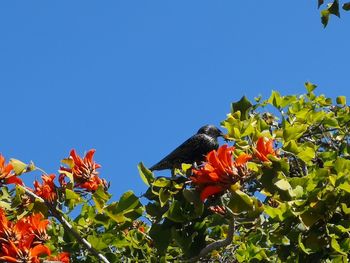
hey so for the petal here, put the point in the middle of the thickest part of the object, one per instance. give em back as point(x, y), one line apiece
point(210, 190)
point(260, 145)
point(8, 259)
point(243, 159)
point(76, 158)
point(2, 160)
point(40, 249)
point(14, 180)
point(89, 155)
point(8, 169)
point(269, 147)
point(215, 162)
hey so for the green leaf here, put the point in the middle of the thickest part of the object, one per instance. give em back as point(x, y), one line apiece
point(325, 17)
point(345, 186)
point(243, 105)
point(294, 132)
point(292, 147)
point(145, 174)
point(309, 86)
point(334, 8)
point(18, 166)
point(345, 209)
point(161, 182)
point(309, 218)
point(193, 197)
point(275, 99)
point(283, 184)
point(164, 196)
point(280, 213)
point(97, 242)
point(342, 165)
point(240, 202)
point(161, 235)
point(346, 6)
point(301, 245)
point(341, 100)
point(307, 154)
point(127, 203)
point(72, 198)
point(127, 209)
point(100, 197)
point(336, 247)
point(175, 213)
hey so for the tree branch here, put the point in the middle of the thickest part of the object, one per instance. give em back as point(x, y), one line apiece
point(66, 225)
point(218, 244)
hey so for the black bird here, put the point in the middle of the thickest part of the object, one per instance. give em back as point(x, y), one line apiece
point(192, 150)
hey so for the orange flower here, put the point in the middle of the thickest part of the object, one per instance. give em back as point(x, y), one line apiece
point(46, 190)
point(84, 172)
point(37, 226)
point(6, 174)
point(219, 172)
point(23, 252)
point(264, 147)
point(21, 241)
point(63, 257)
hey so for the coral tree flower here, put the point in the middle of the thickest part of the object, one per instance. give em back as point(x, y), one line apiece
point(84, 172)
point(219, 172)
point(264, 147)
point(6, 173)
point(46, 190)
point(22, 241)
point(62, 257)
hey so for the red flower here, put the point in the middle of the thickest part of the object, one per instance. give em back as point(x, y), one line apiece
point(84, 172)
point(219, 172)
point(264, 147)
point(37, 226)
point(63, 257)
point(21, 241)
point(23, 252)
point(6, 174)
point(46, 190)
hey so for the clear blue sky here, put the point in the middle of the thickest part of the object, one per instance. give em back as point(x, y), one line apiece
point(133, 79)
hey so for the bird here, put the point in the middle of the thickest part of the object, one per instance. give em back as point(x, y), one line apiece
point(193, 150)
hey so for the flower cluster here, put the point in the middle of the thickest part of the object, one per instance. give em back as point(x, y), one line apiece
point(23, 241)
point(83, 170)
point(264, 147)
point(7, 175)
point(221, 170)
point(62, 257)
point(46, 190)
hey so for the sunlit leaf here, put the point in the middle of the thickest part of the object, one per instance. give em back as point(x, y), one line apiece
point(243, 105)
point(18, 166)
point(145, 174)
point(336, 247)
point(341, 100)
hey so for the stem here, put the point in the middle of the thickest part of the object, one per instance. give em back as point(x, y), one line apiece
point(218, 244)
point(67, 226)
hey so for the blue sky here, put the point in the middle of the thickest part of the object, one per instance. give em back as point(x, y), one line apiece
point(133, 79)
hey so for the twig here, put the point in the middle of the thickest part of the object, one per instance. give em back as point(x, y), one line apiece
point(67, 226)
point(218, 244)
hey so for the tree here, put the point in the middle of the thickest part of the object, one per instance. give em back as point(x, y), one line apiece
point(279, 191)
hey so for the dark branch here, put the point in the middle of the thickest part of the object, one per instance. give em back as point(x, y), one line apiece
point(218, 244)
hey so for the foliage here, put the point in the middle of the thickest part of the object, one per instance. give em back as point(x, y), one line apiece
point(279, 192)
point(332, 8)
